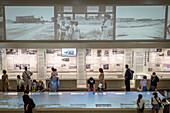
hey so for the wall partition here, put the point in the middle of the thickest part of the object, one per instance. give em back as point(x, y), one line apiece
point(2, 32)
point(168, 24)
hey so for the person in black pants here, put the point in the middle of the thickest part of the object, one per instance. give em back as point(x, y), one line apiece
point(127, 79)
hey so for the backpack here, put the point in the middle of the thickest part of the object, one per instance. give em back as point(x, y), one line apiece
point(130, 75)
point(32, 105)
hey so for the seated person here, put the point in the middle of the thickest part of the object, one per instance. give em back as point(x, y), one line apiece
point(91, 84)
point(100, 87)
point(143, 83)
point(34, 86)
point(54, 84)
point(20, 84)
point(40, 87)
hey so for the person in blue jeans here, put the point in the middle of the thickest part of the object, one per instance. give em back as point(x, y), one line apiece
point(143, 83)
point(54, 84)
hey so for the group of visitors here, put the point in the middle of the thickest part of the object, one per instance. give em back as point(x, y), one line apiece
point(36, 86)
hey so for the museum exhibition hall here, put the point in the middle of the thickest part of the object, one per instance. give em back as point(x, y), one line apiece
point(86, 46)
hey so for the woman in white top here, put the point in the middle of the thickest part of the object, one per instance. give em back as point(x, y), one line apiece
point(143, 83)
point(140, 104)
point(154, 102)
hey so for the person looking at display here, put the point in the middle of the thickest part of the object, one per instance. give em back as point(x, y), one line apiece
point(100, 87)
point(101, 77)
point(54, 84)
point(41, 86)
point(54, 72)
point(26, 75)
point(127, 79)
point(20, 84)
point(154, 82)
point(5, 82)
point(34, 86)
point(143, 83)
point(140, 104)
point(91, 84)
point(155, 101)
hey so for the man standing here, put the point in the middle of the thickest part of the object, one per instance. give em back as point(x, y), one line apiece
point(127, 79)
point(26, 75)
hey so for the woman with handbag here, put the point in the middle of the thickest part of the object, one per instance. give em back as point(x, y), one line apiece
point(140, 104)
point(156, 103)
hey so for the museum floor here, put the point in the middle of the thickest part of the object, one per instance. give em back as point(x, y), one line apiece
point(76, 102)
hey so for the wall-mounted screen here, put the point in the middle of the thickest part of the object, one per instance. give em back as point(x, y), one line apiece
point(1, 24)
point(69, 52)
point(140, 22)
point(29, 22)
point(168, 24)
point(84, 22)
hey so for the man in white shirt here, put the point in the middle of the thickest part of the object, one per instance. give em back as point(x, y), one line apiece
point(26, 75)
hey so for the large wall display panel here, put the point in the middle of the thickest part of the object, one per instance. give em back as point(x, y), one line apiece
point(29, 22)
point(111, 60)
point(140, 22)
point(18, 59)
point(84, 22)
point(1, 24)
point(66, 66)
point(168, 24)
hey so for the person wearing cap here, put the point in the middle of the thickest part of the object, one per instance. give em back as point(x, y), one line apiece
point(91, 84)
point(154, 82)
point(154, 102)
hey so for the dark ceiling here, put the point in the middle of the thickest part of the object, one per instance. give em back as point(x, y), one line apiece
point(53, 2)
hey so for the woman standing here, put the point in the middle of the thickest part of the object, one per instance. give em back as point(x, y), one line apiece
point(54, 84)
point(155, 101)
point(5, 83)
point(140, 104)
point(101, 77)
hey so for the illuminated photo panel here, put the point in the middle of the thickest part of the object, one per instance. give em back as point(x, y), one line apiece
point(84, 22)
point(168, 24)
point(1, 24)
point(29, 22)
point(140, 22)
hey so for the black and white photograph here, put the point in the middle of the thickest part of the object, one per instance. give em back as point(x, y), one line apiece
point(29, 51)
point(106, 66)
point(25, 65)
point(118, 65)
point(158, 50)
point(157, 65)
point(69, 52)
point(29, 22)
point(72, 66)
point(50, 51)
point(1, 24)
point(88, 52)
point(99, 53)
point(50, 66)
point(117, 51)
point(12, 51)
point(168, 52)
point(65, 59)
point(168, 24)
point(17, 66)
point(63, 65)
point(140, 22)
point(106, 53)
point(166, 67)
point(89, 23)
point(161, 54)
point(87, 66)
point(150, 69)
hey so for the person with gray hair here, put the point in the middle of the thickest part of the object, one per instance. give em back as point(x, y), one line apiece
point(26, 75)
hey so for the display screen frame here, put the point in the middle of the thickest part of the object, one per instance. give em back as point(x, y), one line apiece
point(68, 49)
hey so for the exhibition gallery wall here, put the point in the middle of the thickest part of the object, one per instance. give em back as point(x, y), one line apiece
point(83, 22)
point(69, 60)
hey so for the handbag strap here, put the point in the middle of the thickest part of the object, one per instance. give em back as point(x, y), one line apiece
point(157, 100)
point(27, 74)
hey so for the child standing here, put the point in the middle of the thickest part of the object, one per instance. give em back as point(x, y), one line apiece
point(143, 84)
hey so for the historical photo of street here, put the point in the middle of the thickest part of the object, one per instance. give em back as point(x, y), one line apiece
point(1, 24)
point(168, 24)
point(140, 22)
point(29, 22)
point(84, 22)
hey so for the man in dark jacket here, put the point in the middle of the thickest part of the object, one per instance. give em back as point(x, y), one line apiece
point(127, 79)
